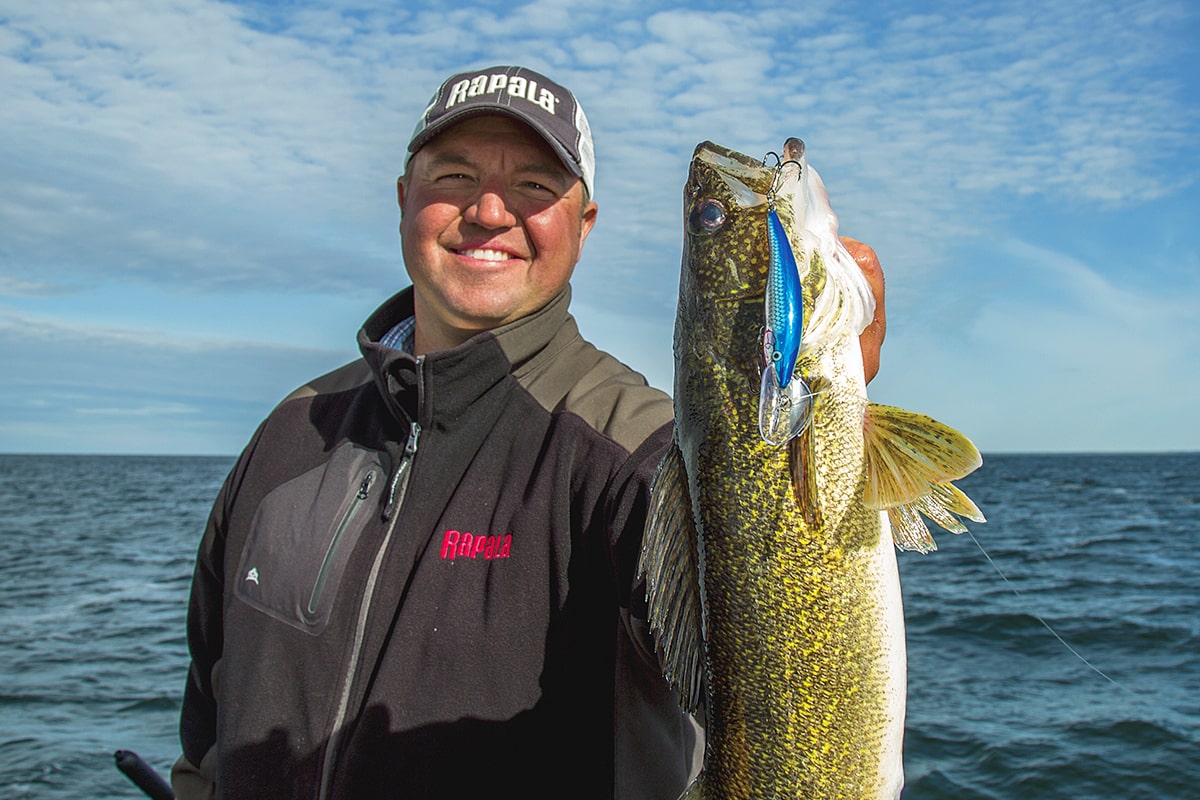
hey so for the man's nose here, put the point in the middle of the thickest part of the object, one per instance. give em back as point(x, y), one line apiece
point(490, 210)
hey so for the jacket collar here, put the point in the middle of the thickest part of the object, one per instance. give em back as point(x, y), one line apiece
point(441, 385)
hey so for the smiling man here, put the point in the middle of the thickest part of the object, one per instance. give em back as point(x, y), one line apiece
point(419, 578)
point(492, 224)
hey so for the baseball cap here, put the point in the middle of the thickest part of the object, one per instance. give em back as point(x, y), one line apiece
point(547, 107)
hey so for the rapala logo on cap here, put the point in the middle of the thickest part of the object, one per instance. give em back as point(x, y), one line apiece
point(514, 85)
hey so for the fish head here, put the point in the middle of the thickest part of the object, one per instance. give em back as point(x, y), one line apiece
point(724, 270)
point(726, 198)
point(725, 252)
point(727, 256)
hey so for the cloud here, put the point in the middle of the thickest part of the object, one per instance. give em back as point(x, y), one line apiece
point(178, 121)
point(126, 412)
point(1049, 353)
point(95, 388)
point(222, 149)
point(1116, 337)
point(20, 287)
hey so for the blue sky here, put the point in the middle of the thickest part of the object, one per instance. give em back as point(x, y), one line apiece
point(197, 202)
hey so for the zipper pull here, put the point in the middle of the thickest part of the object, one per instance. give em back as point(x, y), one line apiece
point(410, 448)
point(399, 483)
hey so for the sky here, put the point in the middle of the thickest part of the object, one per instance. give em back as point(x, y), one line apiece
point(197, 198)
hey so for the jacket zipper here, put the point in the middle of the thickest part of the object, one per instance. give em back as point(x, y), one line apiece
point(399, 484)
point(397, 489)
point(356, 503)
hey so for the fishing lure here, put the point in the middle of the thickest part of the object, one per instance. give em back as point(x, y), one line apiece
point(785, 401)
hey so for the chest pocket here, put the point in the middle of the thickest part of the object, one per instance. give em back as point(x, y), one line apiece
point(303, 534)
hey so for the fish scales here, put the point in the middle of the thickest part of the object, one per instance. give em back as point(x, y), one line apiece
point(795, 657)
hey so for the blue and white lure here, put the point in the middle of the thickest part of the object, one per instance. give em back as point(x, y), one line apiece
point(785, 400)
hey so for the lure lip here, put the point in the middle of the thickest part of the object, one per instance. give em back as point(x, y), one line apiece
point(783, 412)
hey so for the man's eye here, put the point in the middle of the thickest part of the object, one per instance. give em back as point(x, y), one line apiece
point(535, 186)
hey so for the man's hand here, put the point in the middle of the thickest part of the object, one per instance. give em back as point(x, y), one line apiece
point(871, 339)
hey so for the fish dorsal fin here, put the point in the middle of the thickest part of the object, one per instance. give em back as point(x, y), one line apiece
point(912, 461)
point(670, 564)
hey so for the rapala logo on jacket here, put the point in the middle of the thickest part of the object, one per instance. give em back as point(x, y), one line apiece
point(460, 544)
point(515, 85)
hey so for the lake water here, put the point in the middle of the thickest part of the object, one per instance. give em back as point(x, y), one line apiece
point(96, 555)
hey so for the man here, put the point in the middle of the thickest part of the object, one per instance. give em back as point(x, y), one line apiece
point(418, 579)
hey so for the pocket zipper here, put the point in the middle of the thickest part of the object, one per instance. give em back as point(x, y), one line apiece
point(356, 503)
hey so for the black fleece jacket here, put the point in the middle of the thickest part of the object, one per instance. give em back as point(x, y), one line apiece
point(418, 580)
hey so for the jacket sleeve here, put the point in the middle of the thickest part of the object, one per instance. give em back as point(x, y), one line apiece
point(194, 773)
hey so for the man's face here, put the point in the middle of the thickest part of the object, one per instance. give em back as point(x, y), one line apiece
point(492, 225)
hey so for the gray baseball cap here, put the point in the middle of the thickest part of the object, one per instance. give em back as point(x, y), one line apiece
point(547, 107)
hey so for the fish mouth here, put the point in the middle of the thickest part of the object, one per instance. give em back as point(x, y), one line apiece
point(749, 180)
point(743, 166)
point(724, 158)
point(746, 180)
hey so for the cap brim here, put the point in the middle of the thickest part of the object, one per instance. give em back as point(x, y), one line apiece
point(454, 117)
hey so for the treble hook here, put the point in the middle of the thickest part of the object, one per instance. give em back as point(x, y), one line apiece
point(774, 179)
point(777, 178)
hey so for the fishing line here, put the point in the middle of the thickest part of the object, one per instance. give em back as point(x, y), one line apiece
point(1045, 624)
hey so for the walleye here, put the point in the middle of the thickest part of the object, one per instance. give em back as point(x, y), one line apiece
point(770, 568)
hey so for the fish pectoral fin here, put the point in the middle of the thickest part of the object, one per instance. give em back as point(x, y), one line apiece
point(912, 461)
point(670, 565)
point(804, 483)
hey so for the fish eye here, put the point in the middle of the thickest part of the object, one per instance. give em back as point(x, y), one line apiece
point(707, 216)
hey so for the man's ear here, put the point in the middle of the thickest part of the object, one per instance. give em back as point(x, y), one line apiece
point(587, 221)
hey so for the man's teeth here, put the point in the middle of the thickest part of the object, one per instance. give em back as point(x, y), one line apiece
point(485, 255)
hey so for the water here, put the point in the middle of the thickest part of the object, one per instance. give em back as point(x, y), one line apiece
point(96, 555)
point(1104, 550)
point(95, 561)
